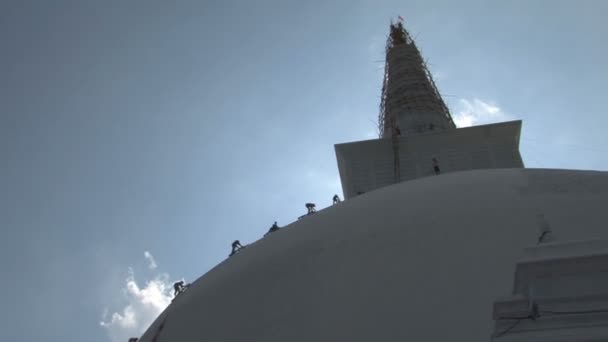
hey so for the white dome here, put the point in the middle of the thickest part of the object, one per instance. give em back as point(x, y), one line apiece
point(420, 261)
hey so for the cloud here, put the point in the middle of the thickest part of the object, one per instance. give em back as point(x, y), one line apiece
point(372, 134)
point(142, 307)
point(478, 112)
point(151, 262)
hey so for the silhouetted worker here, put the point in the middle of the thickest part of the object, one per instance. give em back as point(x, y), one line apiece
point(544, 229)
point(336, 199)
point(178, 288)
point(236, 245)
point(397, 131)
point(133, 339)
point(310, 207)
point(436, 166)
point(273, 229)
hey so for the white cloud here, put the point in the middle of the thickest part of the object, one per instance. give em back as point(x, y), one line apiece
point(478, 112)
point(151, 262)
point(142, 308)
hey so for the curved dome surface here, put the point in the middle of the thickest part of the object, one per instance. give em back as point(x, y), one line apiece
point(422, 260)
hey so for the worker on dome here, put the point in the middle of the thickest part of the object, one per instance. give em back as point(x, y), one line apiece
point(236, 246)
point(336, 199)
point(397, 131)
point(178, 287)
point(273, 229)
point(310, 207)
point(436, 166)
point(545, 232)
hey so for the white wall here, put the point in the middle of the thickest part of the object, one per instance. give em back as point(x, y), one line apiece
point(419, 261)
point(564, 286)
point(368, 165)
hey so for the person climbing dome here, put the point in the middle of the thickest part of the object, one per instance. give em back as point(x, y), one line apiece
point(178, 288)
point(436, 166)
point(397, 131)
point(336, 199)
point(273, 229)
point(544, 229)
point(236, 245)
point(310, 207)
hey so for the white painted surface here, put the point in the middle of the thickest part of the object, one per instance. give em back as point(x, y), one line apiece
point(368, 165)
point(419, 261)
point(560, 294)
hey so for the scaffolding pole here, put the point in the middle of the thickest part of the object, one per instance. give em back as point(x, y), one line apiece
point(408, 88)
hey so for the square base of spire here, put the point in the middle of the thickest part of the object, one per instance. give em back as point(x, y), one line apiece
point(370, 164)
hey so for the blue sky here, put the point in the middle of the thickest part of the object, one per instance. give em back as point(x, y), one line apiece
point(175, 127)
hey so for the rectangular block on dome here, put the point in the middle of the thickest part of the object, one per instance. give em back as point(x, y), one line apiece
point(370, 164)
